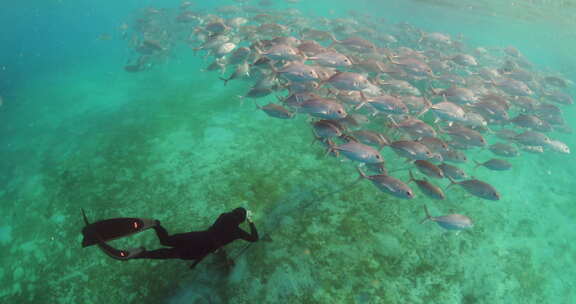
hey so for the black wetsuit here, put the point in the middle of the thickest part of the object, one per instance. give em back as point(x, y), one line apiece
point(196, 245)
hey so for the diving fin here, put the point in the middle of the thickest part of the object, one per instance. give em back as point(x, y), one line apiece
point(111, 229)
point(120, 254)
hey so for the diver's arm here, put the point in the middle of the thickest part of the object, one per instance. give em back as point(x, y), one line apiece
point(252, 237)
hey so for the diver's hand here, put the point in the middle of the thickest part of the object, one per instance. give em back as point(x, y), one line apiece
point(249, 216)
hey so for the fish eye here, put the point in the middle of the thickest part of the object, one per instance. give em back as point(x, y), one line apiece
point(408, 193)
point(378, 156)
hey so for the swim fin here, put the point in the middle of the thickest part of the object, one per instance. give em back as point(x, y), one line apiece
point(120, 254)
point(111, 229)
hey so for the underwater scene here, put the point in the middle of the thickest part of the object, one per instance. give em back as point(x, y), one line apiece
point(287, 151)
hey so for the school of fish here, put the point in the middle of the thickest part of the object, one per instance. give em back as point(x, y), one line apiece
point(366, 85)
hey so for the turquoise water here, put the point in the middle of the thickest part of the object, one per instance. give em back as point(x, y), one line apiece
point(173, 143)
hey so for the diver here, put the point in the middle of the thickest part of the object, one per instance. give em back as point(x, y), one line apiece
point(194, 245)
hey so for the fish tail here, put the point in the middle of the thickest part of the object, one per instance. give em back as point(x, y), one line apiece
point(421, 36)
point(478, 164)
point(225, 80)
point(428, 216)
point(331, 149)
point(334, 40)
point(412, 179)
point(362, 174)
point(359, 106)
point(452, 182)
point(391, 59)
point(426, 108)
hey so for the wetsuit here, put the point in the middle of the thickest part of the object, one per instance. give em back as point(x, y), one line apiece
point(196, 245)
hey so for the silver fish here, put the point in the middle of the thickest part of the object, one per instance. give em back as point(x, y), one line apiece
point(478, 188)
point(323, 108)
point(450, 221)
point(429, 169)
point(453, 172)
point(449, 111)
point(431, 190)
point(503, 149)
point(389, 184)
point(413, 150)
point(277, 111)
point(532, 138)
point(331, 59)
point(348, 81)
point(495, 164)
point(298, 72)
point(559, 146)
point(359, 152)
point(371, 138)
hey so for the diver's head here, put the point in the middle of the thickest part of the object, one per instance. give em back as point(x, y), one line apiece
point(240, 214)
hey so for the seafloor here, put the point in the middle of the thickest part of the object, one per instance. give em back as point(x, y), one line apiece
point(176, 145)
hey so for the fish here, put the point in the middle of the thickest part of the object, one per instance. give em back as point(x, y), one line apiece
point(554, 145)
point(327, 128)
point(283, 52)
point(495, 164)
point(387, 104)
point(277, 111)
point(356, 44)
point(298, 72)
point(389, 185)
point(416, 128)
point(464, 135)
point(453, 155)
point(450, 221)
point(371, 138)
point(359, 152)
point(429, 189)
point(331, 59)
point(323, 108)
point(413, 150)
point(458, 95)
point(348, 81)
point(452, 172)
point(449, 111)
point(477, 188)
point(503, 149)
point(429, 169)
point(531, 122)
point(532, 138)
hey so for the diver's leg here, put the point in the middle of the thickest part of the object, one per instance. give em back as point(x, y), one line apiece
point(163, 253)
point(162, 234)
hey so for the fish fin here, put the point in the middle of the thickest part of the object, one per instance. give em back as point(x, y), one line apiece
point(478, 164)
point(331, 149)
point(362, 174)
point(359, 106)
point(428, 216)
point(225, 80)
point(452, 182)
point(412, 179)
point(391, 59)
